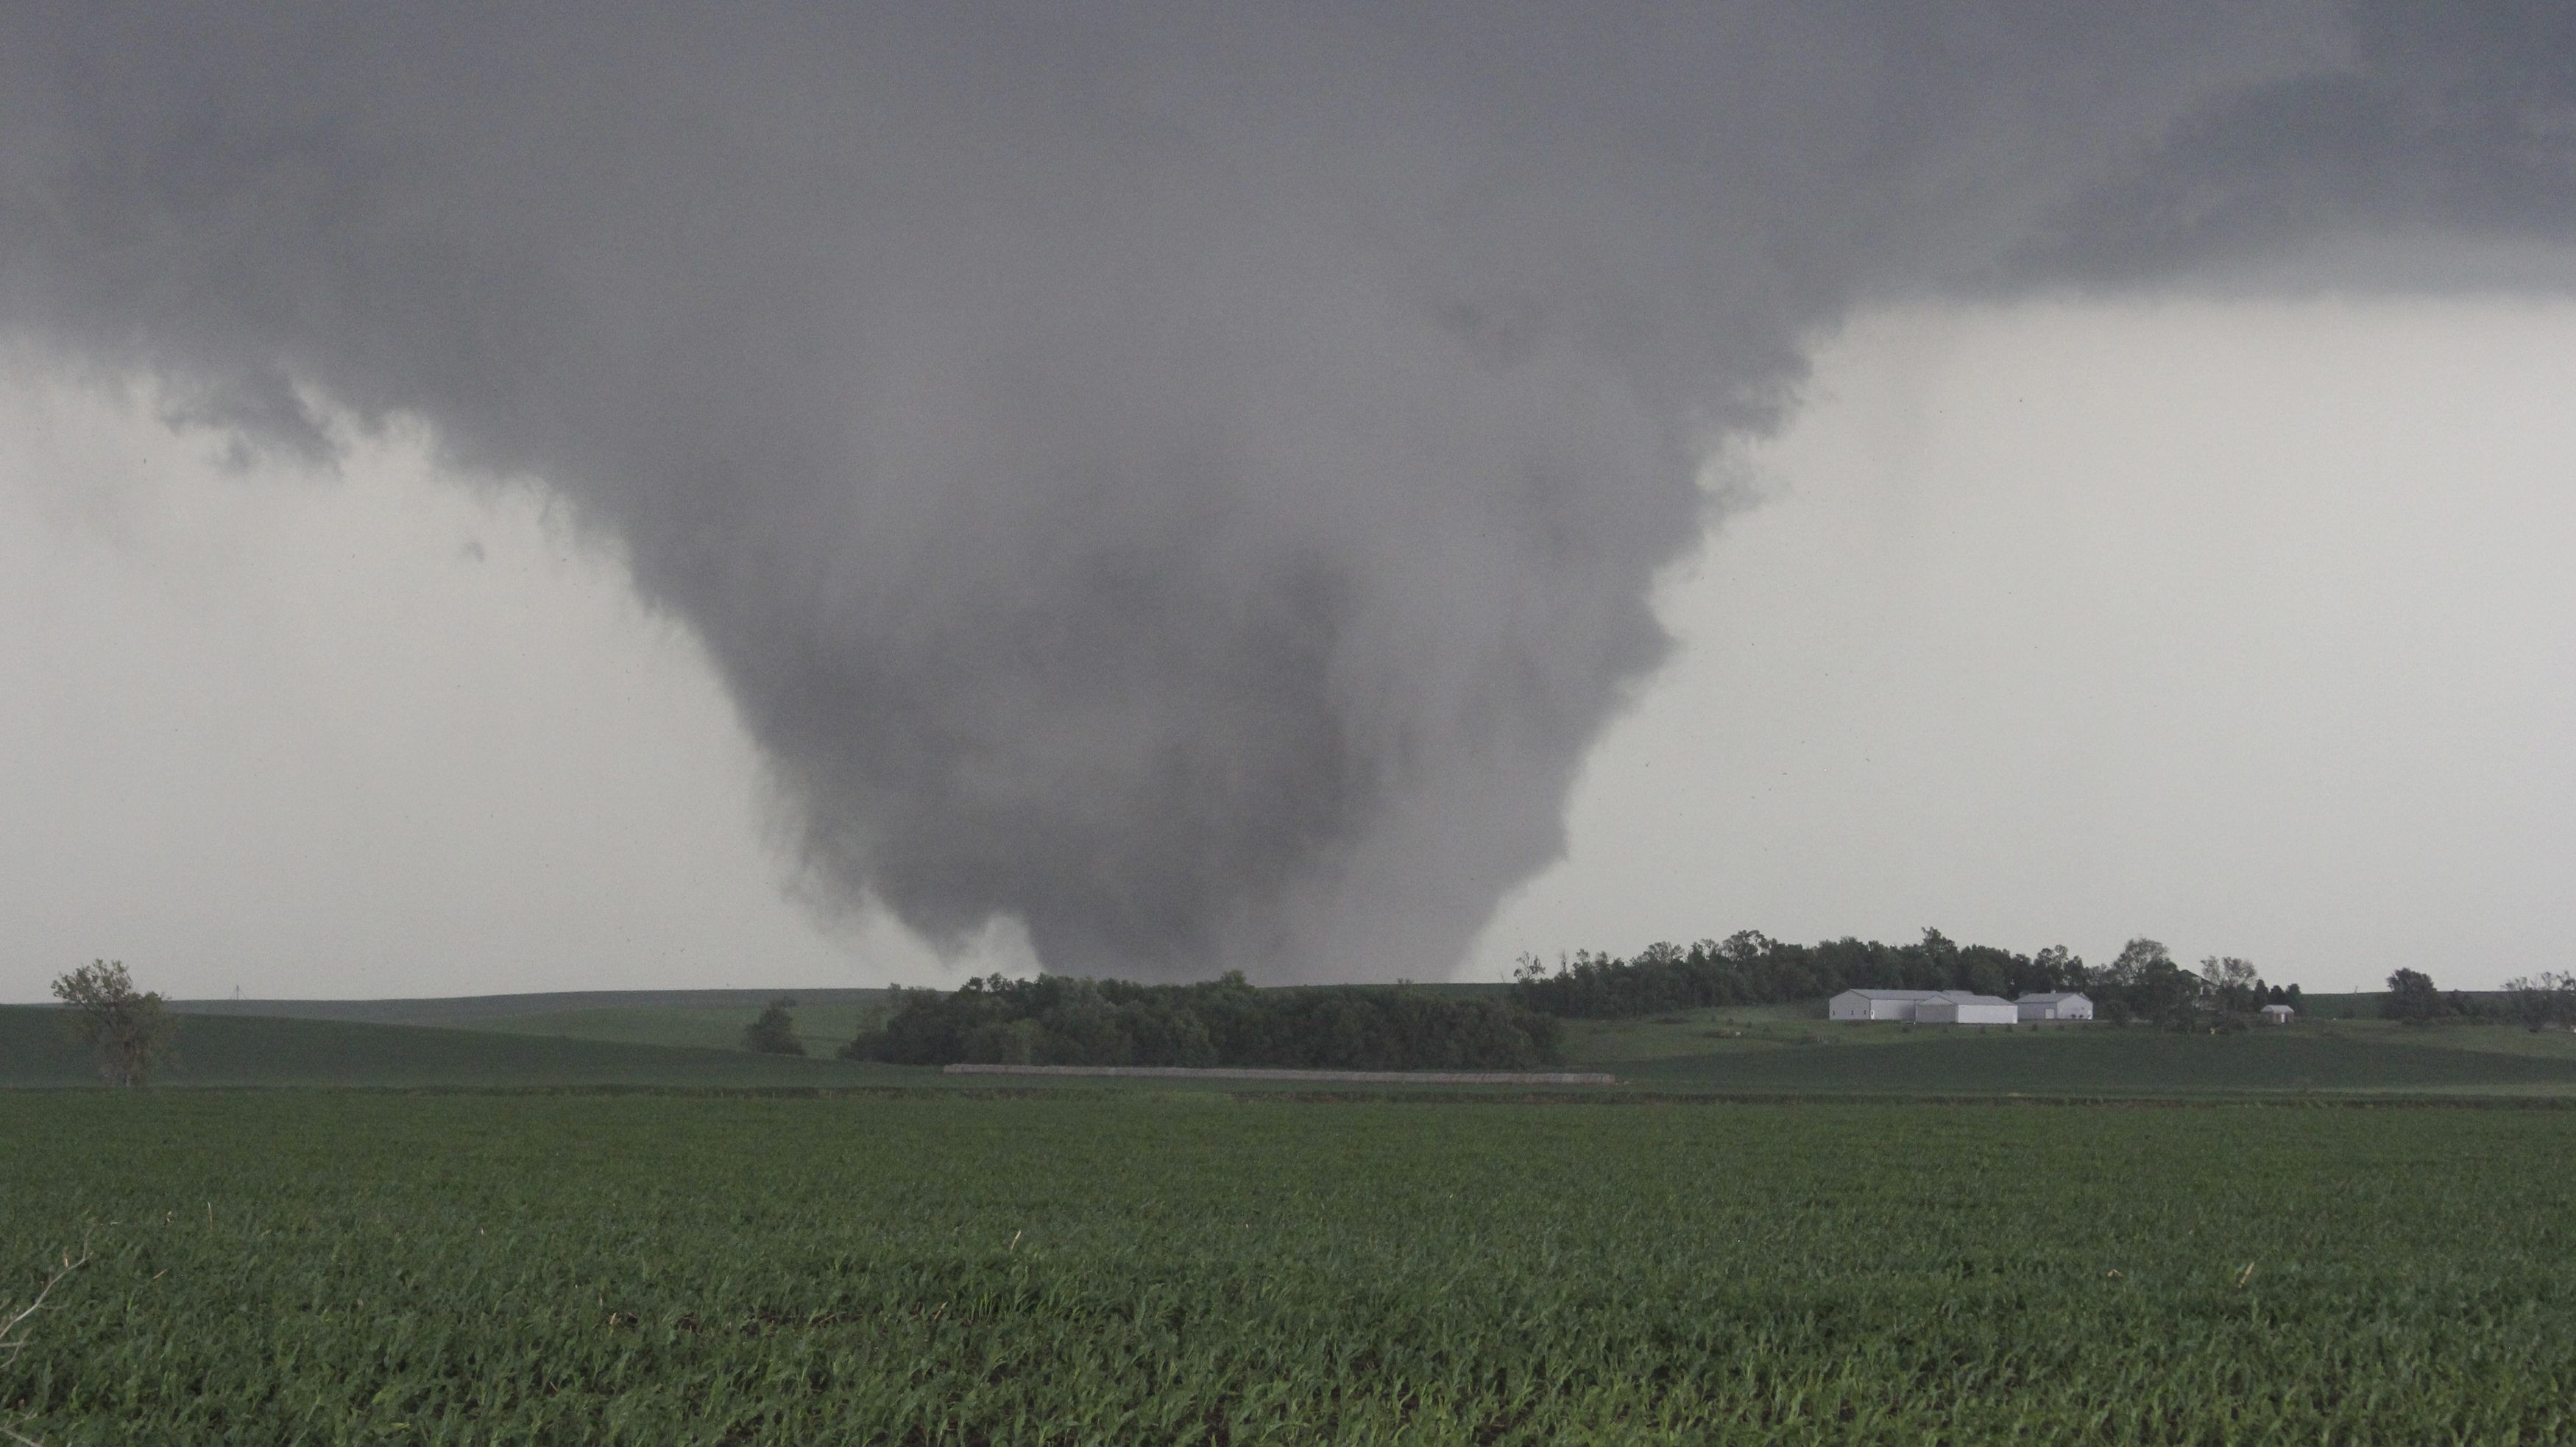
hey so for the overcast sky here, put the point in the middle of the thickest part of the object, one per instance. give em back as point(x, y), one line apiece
point(2246, 625)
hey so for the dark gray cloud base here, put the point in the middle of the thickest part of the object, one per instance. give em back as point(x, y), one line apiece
point(1186, 477)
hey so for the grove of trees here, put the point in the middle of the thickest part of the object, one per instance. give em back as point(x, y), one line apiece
point(2539, 1002)
point(1749, 968)
point(1060, 1020)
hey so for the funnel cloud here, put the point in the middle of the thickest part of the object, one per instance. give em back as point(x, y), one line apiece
point(1186, 478)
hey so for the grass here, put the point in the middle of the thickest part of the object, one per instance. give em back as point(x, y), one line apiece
point(295, 1267)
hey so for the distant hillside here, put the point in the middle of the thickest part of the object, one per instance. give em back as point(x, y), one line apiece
point(227, 1050)
point(2092, 1060)
point(701, 1019)
point(473, 1009)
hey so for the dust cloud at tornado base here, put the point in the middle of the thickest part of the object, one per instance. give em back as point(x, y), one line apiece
point(1190, 483)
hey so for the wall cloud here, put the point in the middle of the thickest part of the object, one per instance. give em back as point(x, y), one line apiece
point(1185, 477)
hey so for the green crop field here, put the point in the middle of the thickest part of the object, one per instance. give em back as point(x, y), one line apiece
point(342, 1267)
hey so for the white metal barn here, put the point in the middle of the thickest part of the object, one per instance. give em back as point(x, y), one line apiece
point(1932, 1007)
point(1959, 1007)
point(1877, 1004)
point(2054, 1007)
point(2279, 1014)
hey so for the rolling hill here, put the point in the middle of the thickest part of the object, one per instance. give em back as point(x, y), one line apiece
point(245, 1050)
point(2369, 1057)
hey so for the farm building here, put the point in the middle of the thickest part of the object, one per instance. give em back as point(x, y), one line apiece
point(2054, 1007)
point(1932, 1007)
point(1959, 1007)
point(2279, 1014)
point(1876, 1004)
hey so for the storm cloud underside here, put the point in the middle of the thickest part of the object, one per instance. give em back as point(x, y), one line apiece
point(1186, 478)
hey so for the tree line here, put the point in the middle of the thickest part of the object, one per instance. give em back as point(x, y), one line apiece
point(2545, 1001)
point(1062, 1020)
point(2144, 982)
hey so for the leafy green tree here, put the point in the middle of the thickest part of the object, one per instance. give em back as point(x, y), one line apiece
point(2056, 968)
point(2413, 998)
point(774, 1033)
point(2137, 959)
point(2145, 977)
point(129, 1030)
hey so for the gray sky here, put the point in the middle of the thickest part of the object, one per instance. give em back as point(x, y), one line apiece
point(2246, 626)
point(1192, 484)
point(2242, 624)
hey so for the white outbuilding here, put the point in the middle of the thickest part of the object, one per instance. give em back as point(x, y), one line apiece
point(1960, 1007)
point(2067, 1006)
point(2279, 1014)
point(1877, 1004)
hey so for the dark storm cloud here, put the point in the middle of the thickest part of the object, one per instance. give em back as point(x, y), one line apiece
point(1187, 477)
point(2455, 121)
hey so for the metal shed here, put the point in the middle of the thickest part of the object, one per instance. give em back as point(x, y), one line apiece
point(2063, 1006)
point(1960, 1007)
point(1877, 1004)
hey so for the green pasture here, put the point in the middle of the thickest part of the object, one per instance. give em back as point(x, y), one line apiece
point(1159, 1267)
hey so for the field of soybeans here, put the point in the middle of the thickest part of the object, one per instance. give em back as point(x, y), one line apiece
point(1117, 1267)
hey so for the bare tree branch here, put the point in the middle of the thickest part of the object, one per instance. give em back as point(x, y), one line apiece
point(13, 1328)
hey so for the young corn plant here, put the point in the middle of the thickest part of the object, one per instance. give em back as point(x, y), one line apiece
point(15, 1321)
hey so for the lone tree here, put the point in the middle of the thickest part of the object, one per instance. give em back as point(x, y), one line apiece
point(130, 1031)
point(2413, 998)
point(2145, 978)
point(774, 1033)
